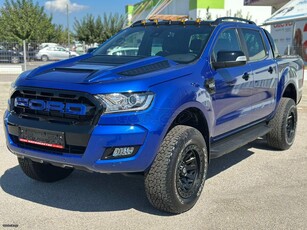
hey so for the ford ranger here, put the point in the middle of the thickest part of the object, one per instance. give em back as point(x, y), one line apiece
point(159, 98)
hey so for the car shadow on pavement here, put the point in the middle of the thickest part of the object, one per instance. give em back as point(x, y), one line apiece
point(228, 160)
point(261, 143)
point(222, 163)
point(94, 192)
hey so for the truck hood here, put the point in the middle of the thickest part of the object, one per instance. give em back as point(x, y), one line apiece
point(87, 70)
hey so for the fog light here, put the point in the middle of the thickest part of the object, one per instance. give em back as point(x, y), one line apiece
point(120, 152)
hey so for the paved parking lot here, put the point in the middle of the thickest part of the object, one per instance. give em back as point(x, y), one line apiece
point(254, 187)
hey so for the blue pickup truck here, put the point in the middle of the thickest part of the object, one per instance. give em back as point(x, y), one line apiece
point(174, 95)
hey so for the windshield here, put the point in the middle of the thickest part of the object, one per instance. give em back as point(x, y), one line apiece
point(182, 44)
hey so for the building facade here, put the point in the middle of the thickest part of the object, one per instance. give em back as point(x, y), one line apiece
point(276, 4)
point(203, 9)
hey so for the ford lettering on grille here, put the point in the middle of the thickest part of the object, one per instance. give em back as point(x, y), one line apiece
point(41, 105)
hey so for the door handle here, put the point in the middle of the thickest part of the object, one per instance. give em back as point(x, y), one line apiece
point(245, 76)
point(270, 70)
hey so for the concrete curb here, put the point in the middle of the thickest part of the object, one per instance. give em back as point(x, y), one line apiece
point(11, 69)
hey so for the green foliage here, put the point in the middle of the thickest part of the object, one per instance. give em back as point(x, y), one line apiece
point(91, 30)
point(26, 20)
point(60, 35)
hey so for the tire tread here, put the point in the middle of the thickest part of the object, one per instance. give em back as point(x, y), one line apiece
point(275, 138)
point(156, 180)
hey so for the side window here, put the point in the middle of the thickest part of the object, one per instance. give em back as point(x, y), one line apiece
point(254, 42)
point(60, 49)
point(228, 40)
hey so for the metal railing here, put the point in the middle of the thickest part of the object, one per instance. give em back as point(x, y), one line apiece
point(16, 57)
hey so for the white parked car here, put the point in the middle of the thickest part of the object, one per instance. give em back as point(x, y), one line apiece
point(43, 45)
point(125, 51)
point(54, 53)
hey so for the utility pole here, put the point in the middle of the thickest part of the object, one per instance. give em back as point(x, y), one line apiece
point(68, 33)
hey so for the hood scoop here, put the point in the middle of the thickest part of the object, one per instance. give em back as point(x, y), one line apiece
point(81, 73)
point(64, 74)
point(70, 70)
point(145, 69)
point(143, 66)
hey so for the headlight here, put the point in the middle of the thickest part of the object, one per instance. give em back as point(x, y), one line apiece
point(125, 102)
point(13, 86)
point(11, 91)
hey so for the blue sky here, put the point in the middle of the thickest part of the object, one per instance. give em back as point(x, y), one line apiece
point(81, 8)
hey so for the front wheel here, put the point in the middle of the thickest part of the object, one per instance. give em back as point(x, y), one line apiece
point(43, 172)
point(177, 176)
point(283, 125)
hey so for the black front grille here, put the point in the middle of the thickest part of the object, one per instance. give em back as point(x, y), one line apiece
point(77, 128)
point(59, 117)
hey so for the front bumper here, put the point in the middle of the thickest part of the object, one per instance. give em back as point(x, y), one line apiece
point(101, 138)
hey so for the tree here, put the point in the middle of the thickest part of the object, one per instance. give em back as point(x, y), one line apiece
point(208, 14)
point(24, 20)
point(239, 14)
point(112, 24)
point(91, 30)
point(59, 35)
point(86, 29)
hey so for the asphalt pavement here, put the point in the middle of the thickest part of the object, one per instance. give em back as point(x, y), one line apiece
point(254, 187)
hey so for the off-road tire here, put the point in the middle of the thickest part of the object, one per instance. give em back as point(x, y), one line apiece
point(165, 179)
point(43, 172)
point(283, 125)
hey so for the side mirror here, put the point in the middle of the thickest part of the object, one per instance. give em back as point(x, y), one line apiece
point(229, 59)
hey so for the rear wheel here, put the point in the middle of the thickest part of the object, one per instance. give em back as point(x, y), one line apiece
point(44, 58)
point(283, 125)
point(43, 172)
point(177, 176)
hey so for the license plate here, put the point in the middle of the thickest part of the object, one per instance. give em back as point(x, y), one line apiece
point(43, 138)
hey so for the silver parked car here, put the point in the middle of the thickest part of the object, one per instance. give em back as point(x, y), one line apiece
point(54, 53)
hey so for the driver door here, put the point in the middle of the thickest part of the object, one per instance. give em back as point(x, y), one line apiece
point(233, 87)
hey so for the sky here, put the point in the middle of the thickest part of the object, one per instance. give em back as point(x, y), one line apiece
point(80, 8)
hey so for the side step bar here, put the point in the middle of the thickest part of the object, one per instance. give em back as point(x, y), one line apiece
point(238, 140)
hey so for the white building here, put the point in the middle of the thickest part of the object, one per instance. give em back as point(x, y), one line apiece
point(198, 9)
